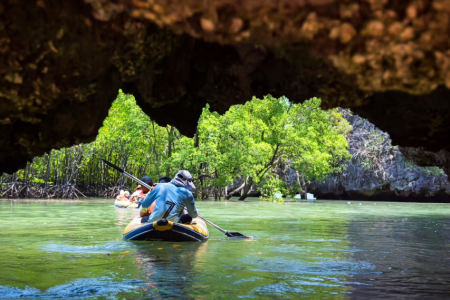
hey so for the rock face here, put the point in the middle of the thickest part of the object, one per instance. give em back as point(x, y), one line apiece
point(379, 171)
point(62, 63)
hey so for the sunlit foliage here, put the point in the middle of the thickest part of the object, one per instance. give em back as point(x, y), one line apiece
point(250, 142)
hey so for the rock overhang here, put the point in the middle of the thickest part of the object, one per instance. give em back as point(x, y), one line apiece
point(62, 64)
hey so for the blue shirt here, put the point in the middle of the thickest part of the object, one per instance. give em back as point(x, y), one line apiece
point(170, 202)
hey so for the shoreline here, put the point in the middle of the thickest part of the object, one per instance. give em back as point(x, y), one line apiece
point(288, 201)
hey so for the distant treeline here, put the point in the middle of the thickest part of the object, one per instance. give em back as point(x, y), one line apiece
point(250, 141)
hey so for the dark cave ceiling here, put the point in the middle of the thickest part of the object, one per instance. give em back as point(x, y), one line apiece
point(62, 63)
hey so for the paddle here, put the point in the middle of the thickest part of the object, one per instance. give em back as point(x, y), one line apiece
point(227, 233)
point(126, 173)
point(129, 204)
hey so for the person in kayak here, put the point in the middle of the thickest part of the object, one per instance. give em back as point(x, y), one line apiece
point(140, 192)
point(165, 179)
point(148, 212)
point(170, 200)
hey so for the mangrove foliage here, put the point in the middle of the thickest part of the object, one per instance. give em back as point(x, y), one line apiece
point(252, 142)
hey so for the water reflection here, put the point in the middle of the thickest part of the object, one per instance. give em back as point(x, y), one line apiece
point(125, 215)
point(411, 255)
point(169, 271)
point(323, 250)
point(77, 289)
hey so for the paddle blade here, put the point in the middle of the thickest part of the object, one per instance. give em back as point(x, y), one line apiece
point(237, 235)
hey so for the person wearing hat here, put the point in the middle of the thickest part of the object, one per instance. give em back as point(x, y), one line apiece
point(170, 200)
point(148, 212)
point(140, 192)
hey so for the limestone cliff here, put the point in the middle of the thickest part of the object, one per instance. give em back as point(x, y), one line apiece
point(379, 171)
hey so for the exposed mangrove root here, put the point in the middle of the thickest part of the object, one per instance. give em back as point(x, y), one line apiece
point(17, 189)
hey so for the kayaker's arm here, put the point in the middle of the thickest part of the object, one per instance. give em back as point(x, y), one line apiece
point(190, 206)
point(147, 202)
point(133, 196)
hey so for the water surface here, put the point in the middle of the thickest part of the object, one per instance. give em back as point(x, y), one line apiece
point(320, 250)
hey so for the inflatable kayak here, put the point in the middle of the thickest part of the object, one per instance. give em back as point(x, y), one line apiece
point(125, 204)
point(164, 230)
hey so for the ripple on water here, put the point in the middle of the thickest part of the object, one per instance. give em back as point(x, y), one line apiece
point(251, 279)
point(278, 289)
point(12, 292)
point(78, 289)
point(324, 240)
point(294, 249)
point(323, 267)
point(108, 247)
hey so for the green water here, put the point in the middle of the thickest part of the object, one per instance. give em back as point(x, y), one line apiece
point(321, 250)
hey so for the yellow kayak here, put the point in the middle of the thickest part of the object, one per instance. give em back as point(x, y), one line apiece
point(166, 231)
point(125, 204)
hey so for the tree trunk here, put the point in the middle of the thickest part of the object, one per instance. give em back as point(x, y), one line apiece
point(238, 189)
point(299, 184)
point(216, 188)
point(47, 176)
point(247, 187)
point(155, 152)
point(304, 188)
point(169, 150)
